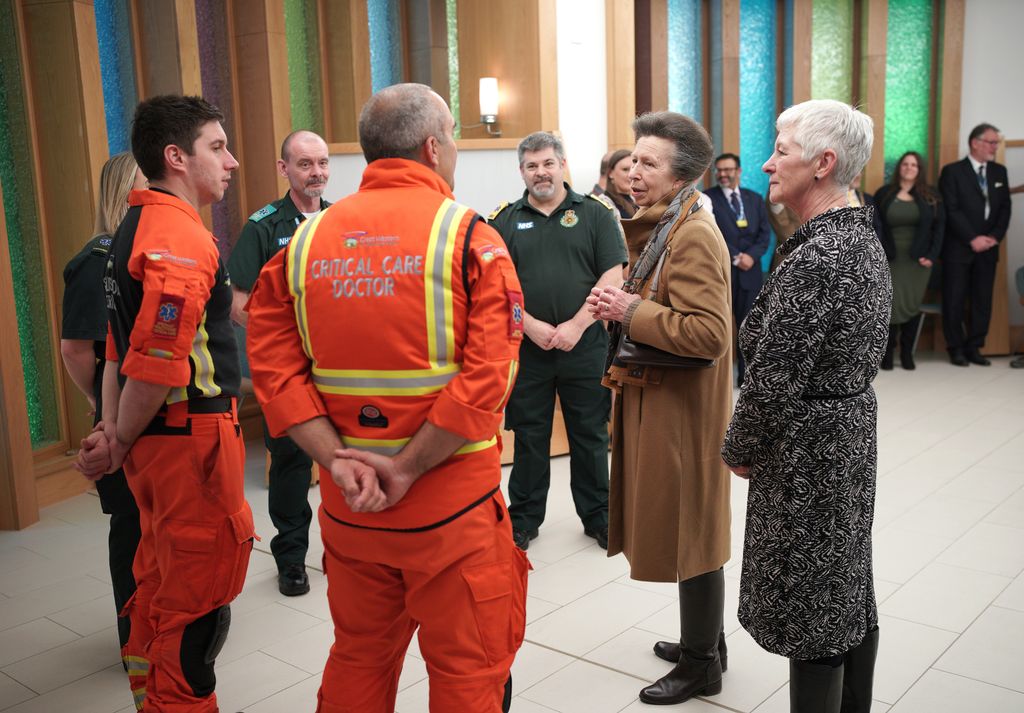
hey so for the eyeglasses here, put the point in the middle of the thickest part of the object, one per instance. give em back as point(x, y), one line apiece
point(990, 143)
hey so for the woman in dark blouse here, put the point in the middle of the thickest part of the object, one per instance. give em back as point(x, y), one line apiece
point(913, 221)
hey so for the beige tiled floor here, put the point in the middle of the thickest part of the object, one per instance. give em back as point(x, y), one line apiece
point(949, 553)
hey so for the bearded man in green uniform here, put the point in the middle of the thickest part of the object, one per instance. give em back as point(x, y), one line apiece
point(563, 244)
point(305, 163)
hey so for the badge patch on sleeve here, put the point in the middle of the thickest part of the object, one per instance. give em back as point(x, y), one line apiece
point(168, 316)
point(515, 314)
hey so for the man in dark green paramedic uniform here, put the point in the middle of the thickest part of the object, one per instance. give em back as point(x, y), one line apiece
point(304, 162)
point(563, 244)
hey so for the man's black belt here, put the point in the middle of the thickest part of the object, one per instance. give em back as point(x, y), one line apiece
point(215, 404)
point(158, 426)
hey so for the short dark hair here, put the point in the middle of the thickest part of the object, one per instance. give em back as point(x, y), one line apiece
point(734, 157)
point(538, 141)
point(979, 130)
point(693, 144)
point(396, 121)
point(606, 163)
point(165, 120)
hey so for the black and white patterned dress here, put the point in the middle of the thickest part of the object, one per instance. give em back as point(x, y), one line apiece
point(806, 423)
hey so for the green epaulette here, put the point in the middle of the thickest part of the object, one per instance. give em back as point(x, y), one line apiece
point(497, 210)
point(268, 209)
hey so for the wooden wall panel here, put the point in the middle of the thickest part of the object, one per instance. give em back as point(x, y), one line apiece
point(803, 14)
point(504, 40)
point(620, 61)
point(167, 47)
point(659, 55)
point(18, 503)
point(548, 48)
point(872, 91)
point(731, 75)
point(264, 102)
point(70, 147)
point(346, 66)
point(951, 58)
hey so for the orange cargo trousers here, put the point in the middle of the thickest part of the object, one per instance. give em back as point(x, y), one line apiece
point(463, 584)
point(187, 474)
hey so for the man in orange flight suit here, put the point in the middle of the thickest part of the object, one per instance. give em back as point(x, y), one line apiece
point(384, 341)
point(169, 407)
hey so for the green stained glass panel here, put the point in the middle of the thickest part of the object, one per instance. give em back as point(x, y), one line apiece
point(452, 18)
point(832, 50)
point(303, 38)
point(908, 71)
point(27, 267)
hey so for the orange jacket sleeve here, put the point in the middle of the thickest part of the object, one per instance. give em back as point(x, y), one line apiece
point(471, 404)
point(175, 289)
point(279, 365)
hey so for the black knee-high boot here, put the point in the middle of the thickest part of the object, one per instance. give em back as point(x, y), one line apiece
point(669, 650)
point(890, 347)
point(699, 671)
point(815, 687)
point(908, 335)
point(859, 674)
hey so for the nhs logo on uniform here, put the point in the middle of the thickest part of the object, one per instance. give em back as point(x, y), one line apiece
point(284, 241)
point(524, 226)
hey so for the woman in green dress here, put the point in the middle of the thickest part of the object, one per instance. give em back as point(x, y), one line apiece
point(913, 221)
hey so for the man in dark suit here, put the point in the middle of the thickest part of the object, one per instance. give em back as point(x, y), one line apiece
point(977, 197)
point(741, 217)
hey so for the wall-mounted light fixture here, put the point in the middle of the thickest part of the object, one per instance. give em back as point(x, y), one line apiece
point(489, 105)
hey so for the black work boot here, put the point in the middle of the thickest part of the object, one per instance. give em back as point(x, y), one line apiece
point(859, 674)
point(814, 687)
point(699, 670)
point(669, 651)
point(908, 335)
point(890, 347)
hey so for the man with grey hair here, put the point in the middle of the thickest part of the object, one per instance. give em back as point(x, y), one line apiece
point(563, 244)
point(305, 163)
point(384, 341)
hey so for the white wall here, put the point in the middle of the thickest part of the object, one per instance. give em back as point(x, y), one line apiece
point(483, 179)
point(993, 58)
point(582, 88)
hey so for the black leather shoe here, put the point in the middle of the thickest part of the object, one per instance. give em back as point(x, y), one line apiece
point(1017, 363)
point(669, 651)
point(598, 533)
point(958, 359)
point(975, 357)
point(522, 538)
point(292, 581)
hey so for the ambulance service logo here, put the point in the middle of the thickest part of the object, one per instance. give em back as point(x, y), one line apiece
point(168, 316)
point(569, 219)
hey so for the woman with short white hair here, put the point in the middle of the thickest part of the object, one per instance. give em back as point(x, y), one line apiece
point(804, 427)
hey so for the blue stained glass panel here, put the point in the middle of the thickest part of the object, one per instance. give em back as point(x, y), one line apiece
point(117, 71)
point(685, 68)
point(384, 18)
point(757, 89)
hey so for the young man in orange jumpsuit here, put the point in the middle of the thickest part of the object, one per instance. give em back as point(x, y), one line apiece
point(384, 341)
point(169, 407)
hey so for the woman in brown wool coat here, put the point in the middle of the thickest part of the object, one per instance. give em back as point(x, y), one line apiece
point(669, 490)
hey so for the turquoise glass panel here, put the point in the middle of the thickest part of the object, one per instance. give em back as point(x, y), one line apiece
point(452, 20)
point(908, 71)
point(384, 18)
point(832, 50)
point(757, 89)
point(715, 56)
point(303, 38)
point(757, 95)
point(117, 71)
point(24, 242)
point(685, 68)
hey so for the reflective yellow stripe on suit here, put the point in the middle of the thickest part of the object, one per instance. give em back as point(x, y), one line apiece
point(439, 308)
point(391, 446)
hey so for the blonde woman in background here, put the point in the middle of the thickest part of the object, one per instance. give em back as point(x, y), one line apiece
point(82, 338)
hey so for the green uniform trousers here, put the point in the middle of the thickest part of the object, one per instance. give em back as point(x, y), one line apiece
point(576, 377)
point(288, 500)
